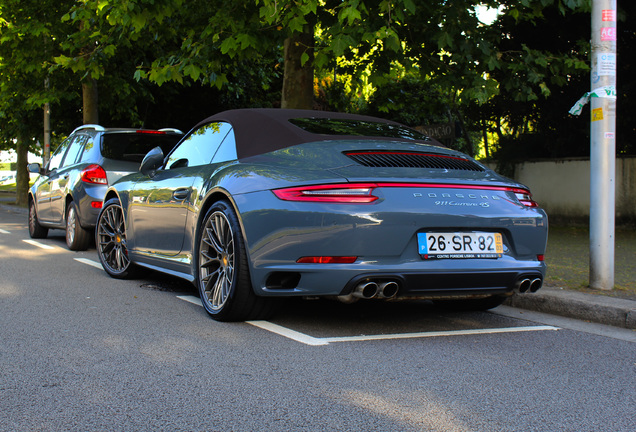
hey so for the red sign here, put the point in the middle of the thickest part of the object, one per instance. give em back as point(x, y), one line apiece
point(609, 15)
point(608, 33)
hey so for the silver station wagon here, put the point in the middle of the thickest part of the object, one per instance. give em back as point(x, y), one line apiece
point(70, 190)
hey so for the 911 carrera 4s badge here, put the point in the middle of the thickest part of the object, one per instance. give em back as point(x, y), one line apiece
point(460, 245)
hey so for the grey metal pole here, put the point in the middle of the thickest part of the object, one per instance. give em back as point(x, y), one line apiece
point(603, 144)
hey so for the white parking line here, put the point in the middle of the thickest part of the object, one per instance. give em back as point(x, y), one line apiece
point(309, 340)
point(89, 262)
point(4, 232)
point(313, 341)
point(289, 334)
point(191, 299)
point(38, 244)
point(440, 333)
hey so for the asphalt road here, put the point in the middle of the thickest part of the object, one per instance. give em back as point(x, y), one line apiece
point(80, 351)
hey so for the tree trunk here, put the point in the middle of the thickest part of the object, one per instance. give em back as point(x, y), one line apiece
point(298, 80)
point(484, 125)
point(22, 174)
point(89, 96)
point(469, 142)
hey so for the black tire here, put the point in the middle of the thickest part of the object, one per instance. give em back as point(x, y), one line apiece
point(223, 276)
point(36, 230)
point(110, 240)
point(77, 238)
point(480, 304)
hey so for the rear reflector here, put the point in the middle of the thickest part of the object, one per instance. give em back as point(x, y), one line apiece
point(327, 260)
point(94, 174)
point(97, 204)
point(541, 257)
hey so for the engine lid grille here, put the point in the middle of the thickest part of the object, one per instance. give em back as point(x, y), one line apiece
point(391, 159)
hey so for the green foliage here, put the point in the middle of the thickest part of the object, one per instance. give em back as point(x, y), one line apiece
point(422, 62)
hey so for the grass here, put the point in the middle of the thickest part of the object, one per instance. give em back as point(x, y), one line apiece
point(568, 259)
point(7, 187)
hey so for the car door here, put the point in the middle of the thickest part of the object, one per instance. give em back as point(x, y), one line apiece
point(60, 179)
point(161, 205)
point(44, 190)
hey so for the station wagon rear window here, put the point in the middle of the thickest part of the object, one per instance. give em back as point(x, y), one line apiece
point(133, 147)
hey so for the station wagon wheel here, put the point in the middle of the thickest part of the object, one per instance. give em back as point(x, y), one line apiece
point(223, 276)
point(35, 229)
point(110, 238)
point(77, 238)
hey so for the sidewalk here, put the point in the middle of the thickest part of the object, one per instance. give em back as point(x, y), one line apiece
point(598, 308)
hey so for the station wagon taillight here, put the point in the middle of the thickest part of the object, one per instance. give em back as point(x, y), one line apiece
point(94, 174)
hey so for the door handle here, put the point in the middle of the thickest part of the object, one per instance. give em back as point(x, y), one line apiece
point(180, 194)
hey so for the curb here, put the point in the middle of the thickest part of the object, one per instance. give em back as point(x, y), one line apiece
point(600, 309)
point(14, 209)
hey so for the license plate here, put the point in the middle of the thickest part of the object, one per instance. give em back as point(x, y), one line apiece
point(461, 245)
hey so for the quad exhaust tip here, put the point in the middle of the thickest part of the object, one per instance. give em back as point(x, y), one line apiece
point(366, 290)
point(528, 285)
point(535, 285)
point(388, 289)
point(380, 290)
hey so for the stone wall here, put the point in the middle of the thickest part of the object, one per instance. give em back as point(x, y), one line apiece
point(562, 186)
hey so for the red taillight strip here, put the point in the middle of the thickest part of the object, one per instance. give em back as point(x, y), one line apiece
point(361, 193)
point(358, 193)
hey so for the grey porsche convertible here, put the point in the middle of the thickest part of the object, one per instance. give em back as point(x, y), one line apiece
point(257, 204)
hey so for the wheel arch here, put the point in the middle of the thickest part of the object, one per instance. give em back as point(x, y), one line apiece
point(214, 196)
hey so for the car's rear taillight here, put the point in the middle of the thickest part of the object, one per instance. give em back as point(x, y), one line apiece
point(94, 174)
point(362, 193)
point(358, 193)
point(525, 197)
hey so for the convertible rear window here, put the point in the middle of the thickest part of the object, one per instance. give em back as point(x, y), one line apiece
point(133, 147)
point(328, 126)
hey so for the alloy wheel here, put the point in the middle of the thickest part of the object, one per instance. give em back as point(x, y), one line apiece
point(216, 260)
point(71, 221)
point(111, 240)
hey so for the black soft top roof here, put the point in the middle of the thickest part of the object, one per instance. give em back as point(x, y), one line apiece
point(262, 130)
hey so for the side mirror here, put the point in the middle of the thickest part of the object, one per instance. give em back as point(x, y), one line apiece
point(151, 162)
point(35, 168)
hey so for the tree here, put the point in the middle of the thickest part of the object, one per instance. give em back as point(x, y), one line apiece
point(27, 44)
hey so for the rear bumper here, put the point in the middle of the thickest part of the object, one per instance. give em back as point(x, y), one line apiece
point(415, 279)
